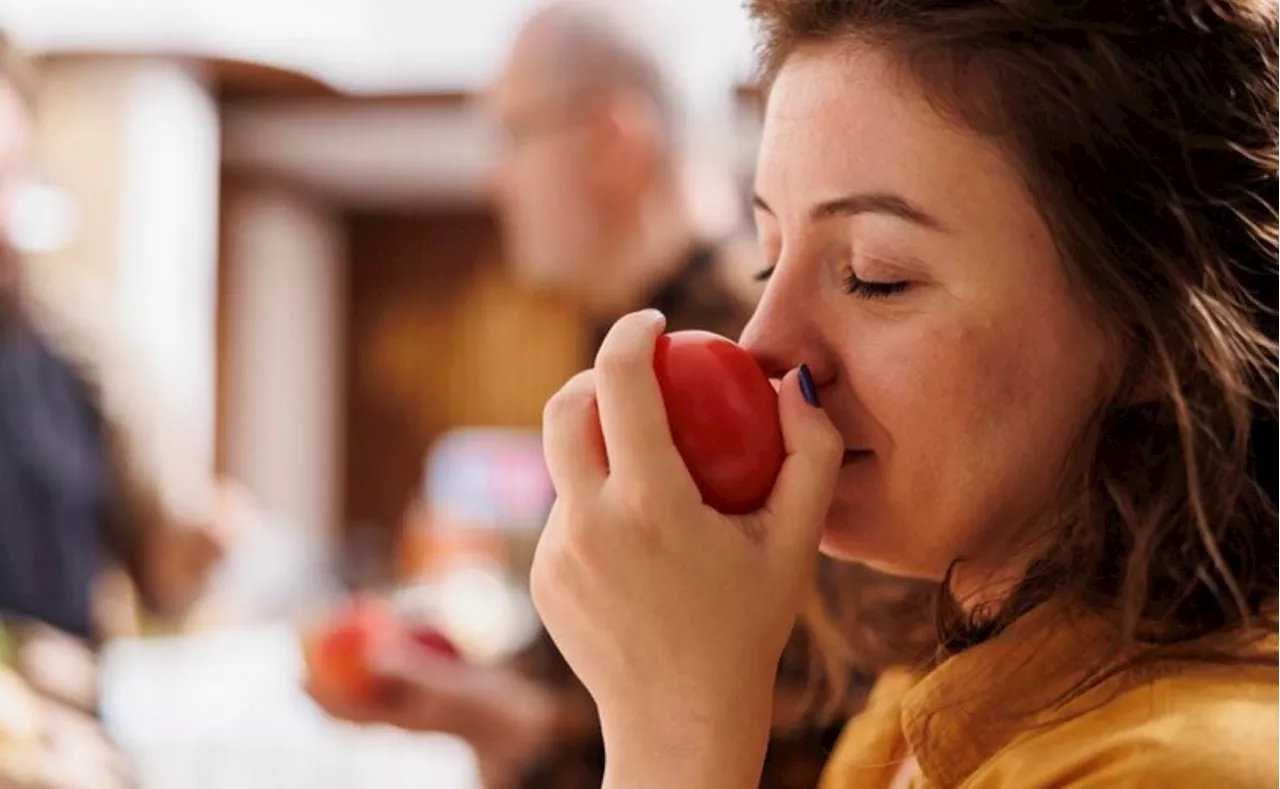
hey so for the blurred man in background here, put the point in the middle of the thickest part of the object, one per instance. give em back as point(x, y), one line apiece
point(599, 196)
point(600, 206)
point(71, 503)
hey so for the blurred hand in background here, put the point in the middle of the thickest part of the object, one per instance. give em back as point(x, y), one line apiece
point(507, 718)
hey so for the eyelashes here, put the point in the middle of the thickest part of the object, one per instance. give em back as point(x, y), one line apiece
point(853, 285)
point(869, 289)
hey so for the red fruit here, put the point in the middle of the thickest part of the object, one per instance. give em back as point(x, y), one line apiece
point(723, 413)
point(338, 655)
point(436, 642)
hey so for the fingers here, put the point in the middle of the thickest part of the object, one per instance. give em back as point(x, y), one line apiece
point(571, 439)
point(336, 705)
point(410, 689)
point(414, 665)
point(632, 415)
point(802, 494)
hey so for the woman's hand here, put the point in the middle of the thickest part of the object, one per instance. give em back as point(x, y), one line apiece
point(673, 615)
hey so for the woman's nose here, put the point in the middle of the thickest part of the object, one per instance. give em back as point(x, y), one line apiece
point(782, 334)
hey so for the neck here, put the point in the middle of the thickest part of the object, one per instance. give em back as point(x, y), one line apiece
point(985, 586)
point(649, 247)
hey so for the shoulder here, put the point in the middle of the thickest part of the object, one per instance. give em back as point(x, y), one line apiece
point(701, 298)
point(871, 747)
point(52, 376)
point(1206, 728)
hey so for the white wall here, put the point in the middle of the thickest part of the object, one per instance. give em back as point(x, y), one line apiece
point(166, 282)
point(356, 45)
point(286, 256)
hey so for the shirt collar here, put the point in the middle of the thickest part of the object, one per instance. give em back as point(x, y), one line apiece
point(672, 295)
point(675, 295)
point(974, 703)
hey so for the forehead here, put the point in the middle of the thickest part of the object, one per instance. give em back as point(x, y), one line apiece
point(527, 76)
point(504, 92)
point(842, 118)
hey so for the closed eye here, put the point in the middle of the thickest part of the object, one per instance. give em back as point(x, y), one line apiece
point(863, 288)
point(870, 289)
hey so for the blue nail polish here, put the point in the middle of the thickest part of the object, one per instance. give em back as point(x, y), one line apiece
point(807, 387)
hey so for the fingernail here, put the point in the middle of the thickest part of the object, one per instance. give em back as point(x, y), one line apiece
point(807, 389)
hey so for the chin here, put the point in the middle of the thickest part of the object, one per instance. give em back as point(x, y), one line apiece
point(850, 537)
point(863, 540)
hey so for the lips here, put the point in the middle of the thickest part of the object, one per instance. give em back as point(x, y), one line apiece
point(852, 455)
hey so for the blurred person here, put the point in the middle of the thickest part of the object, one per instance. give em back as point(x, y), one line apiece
point(600, 200)
point(600, 206)
point(73, 504)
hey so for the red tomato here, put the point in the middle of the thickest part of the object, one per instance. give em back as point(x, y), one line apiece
point(435, 641)
point(723, 414)
point(337, 656)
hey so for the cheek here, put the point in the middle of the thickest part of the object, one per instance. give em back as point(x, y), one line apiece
point(1022, 378)
point(535, 189)
point(938, 384)
point(970, 423)
point(550, 192)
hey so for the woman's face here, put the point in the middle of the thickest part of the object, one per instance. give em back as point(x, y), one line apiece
point(917, 280)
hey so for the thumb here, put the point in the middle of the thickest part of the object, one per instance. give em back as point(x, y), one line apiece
point(802, 494)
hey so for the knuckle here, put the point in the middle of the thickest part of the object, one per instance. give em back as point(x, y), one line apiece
point(539, 586)
point(831, 445)
point(544, 577)
point(643, 506)
point(636, 499)
point(570, 553)
point(587, 545)
point(826, 445)
point(620, 363)
point(566, 546)
point(582, 381)
point(568, 403)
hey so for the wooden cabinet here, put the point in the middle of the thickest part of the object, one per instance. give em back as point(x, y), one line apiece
point(438, 337)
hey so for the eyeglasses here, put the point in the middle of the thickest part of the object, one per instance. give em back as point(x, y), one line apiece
point(531, 124)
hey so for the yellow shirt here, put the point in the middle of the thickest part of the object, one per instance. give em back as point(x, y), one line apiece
point(986, 719)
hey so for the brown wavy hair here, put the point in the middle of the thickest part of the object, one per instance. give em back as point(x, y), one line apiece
point(1146, 131)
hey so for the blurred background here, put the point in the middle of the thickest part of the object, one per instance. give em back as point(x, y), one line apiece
point(272, 221)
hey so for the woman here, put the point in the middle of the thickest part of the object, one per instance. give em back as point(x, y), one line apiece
point(1022, 306)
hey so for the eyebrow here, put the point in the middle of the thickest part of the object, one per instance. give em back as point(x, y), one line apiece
point(886, 203)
